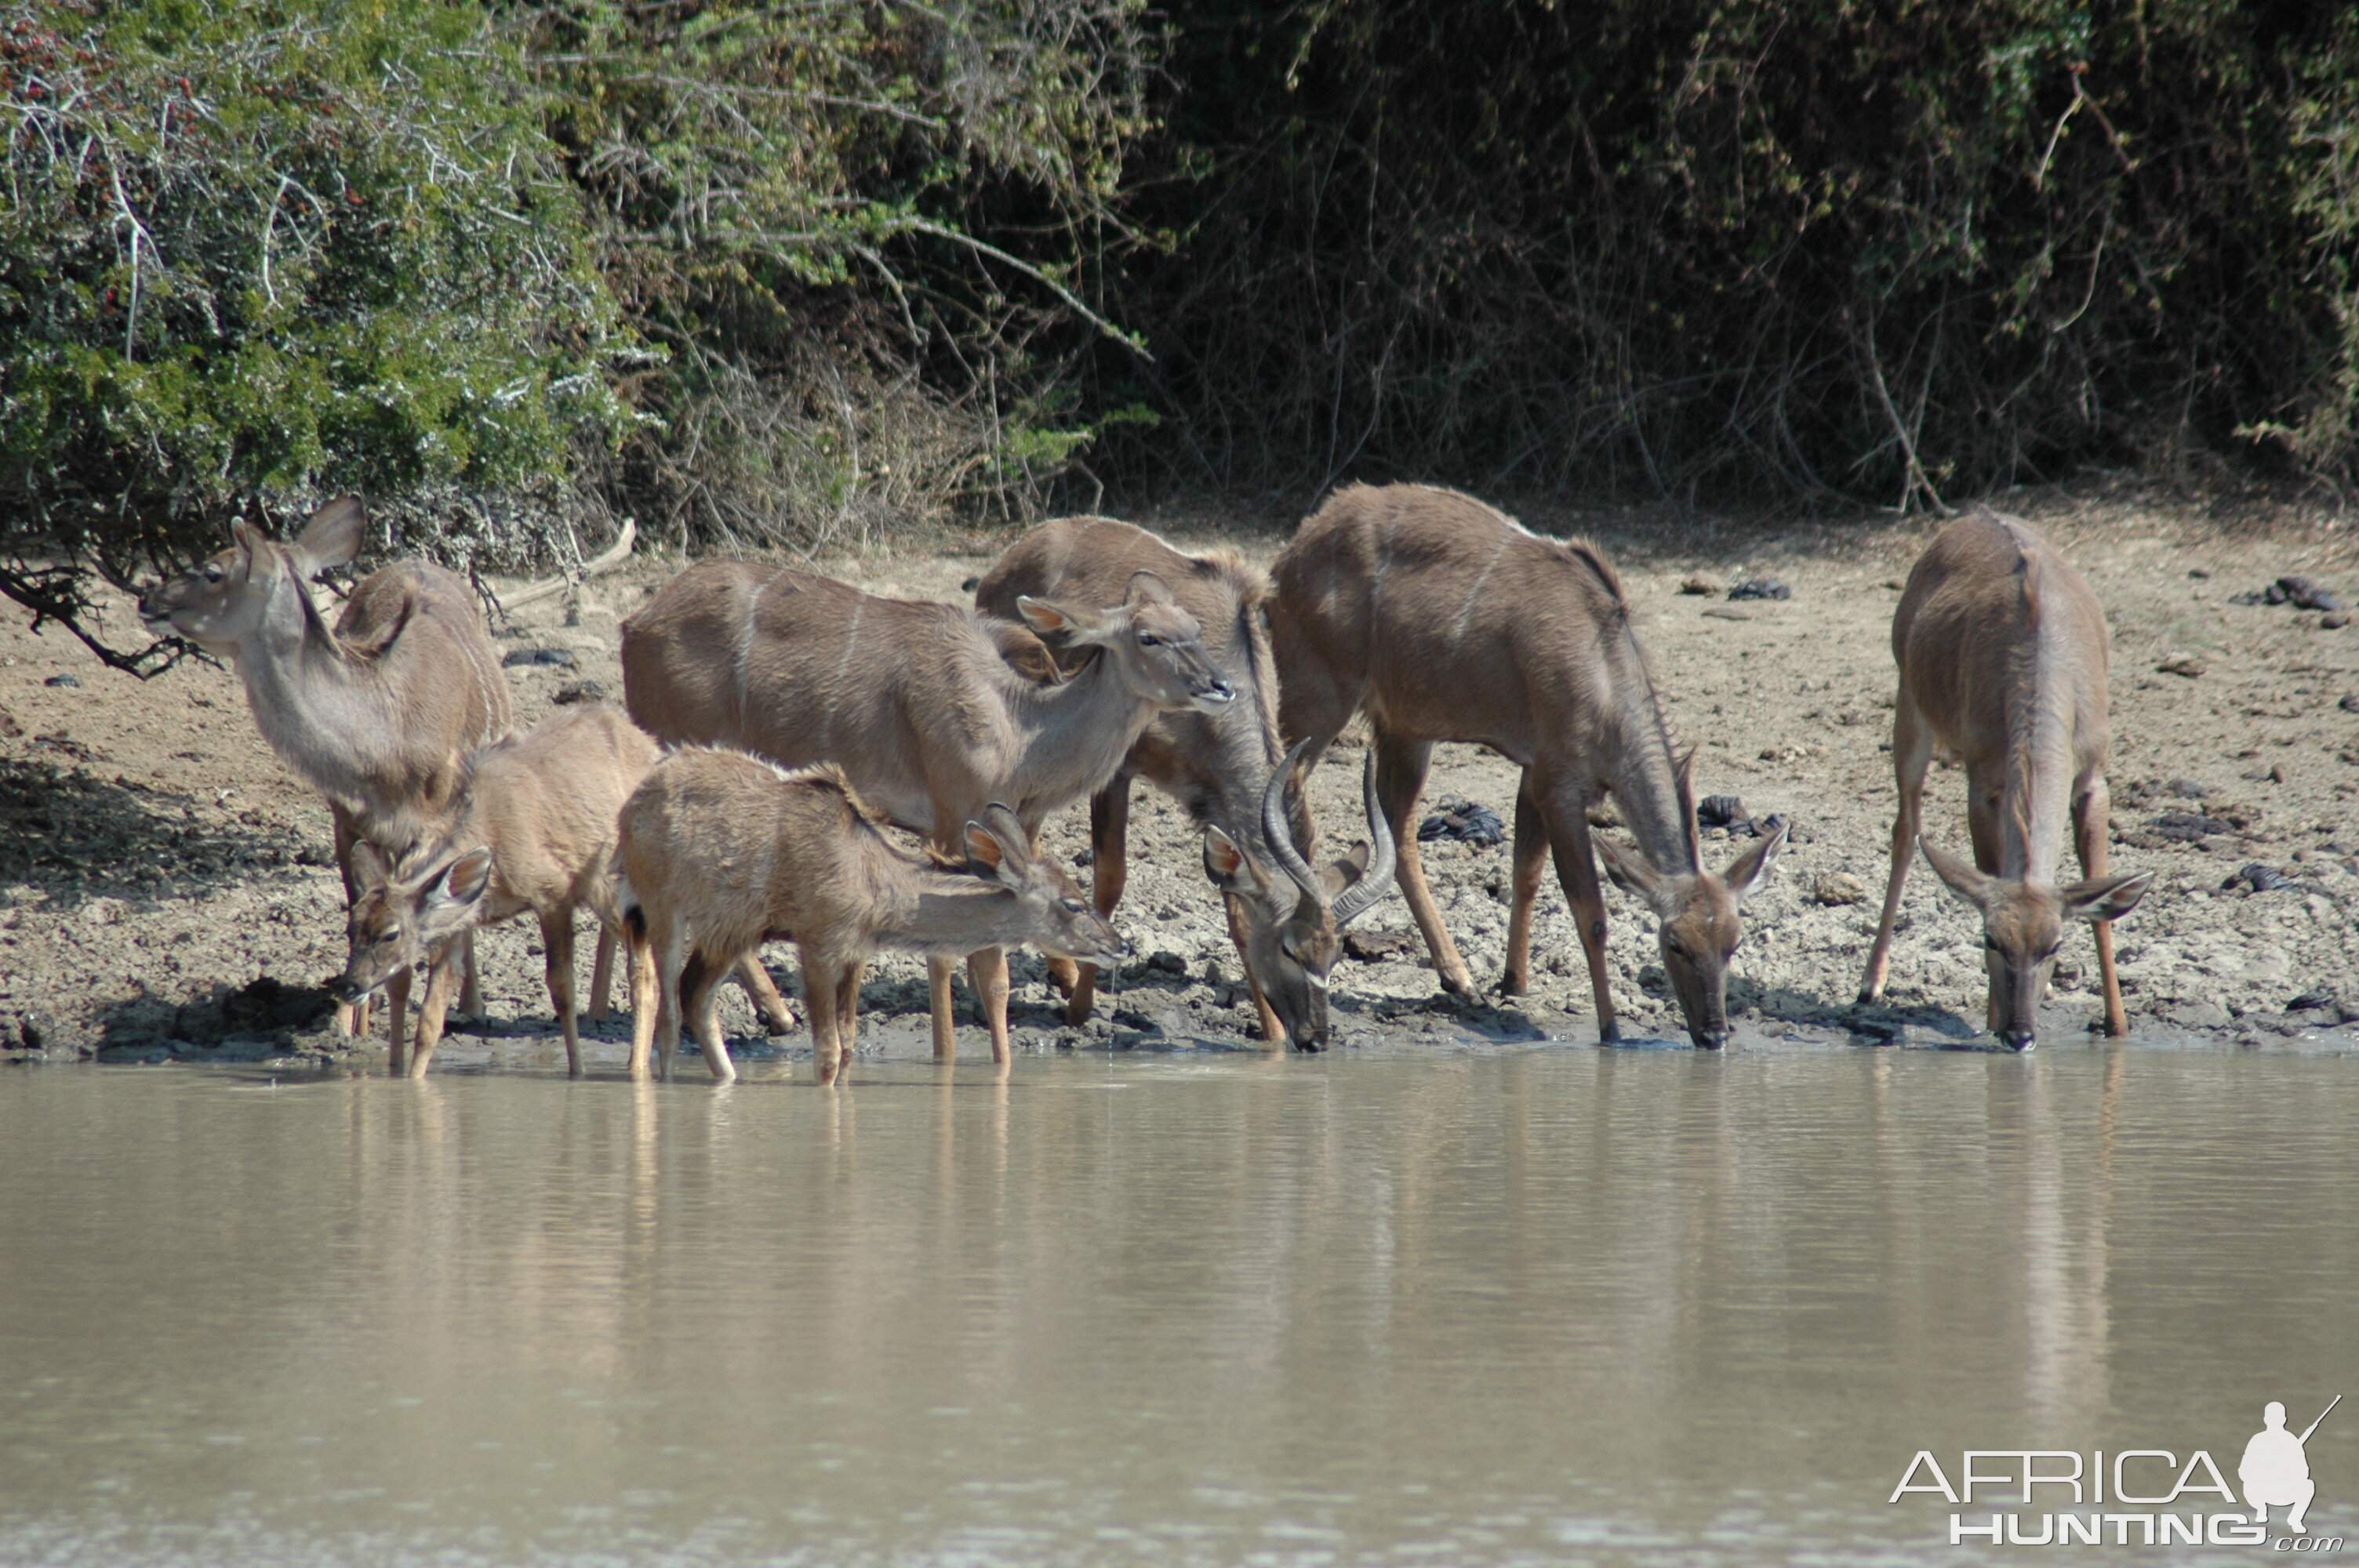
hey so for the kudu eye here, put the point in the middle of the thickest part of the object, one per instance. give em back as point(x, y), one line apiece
point(215, 574)
point(1072, 906)
point(1149, 640)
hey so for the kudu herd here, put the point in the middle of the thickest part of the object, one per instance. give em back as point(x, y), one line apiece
point(780, 725)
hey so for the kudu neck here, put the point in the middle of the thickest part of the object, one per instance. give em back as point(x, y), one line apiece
point(1645, 782)
point(1076, 733)
point(944, 912)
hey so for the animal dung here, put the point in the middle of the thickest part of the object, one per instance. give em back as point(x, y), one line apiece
point(2186, 665)
point(1837, 887)
point(1376, 946)
point(1761, 588)
point(562, 658)
point(2301, 592)
point(578, 691)
point(1723, 613)
point(1464, 821)
point(1701, 585)
point(1719, 811)
point(2335, 622)
point(61, 680)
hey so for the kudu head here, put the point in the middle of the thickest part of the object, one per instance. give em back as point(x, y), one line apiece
point(1059, 920)
point(1157, 647)
point(1294, 948)
point(1698, 927)
point(2023, 925)
point(217, 604)
point(399, 920)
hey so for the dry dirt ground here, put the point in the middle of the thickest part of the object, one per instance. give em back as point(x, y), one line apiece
point(165, 891)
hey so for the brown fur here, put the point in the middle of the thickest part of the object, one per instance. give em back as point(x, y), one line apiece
point(719, 850)
point(2002, 649)
point(1216, 765)
point(913, 701)
point(377, 715)
point(1443, 620)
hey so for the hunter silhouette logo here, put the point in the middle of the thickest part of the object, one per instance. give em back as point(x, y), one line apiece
point(2131, 1497)
point(2275, 1468)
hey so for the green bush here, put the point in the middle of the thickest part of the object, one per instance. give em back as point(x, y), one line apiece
point(253, 254)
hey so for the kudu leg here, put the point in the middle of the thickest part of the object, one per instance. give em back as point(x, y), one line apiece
point(557, 963)
point(470, 993)
point(396, 1004)
point(699, 990)
point(442, 983)
point(1531, 858)
point(670, 962)
point(1400, 775)
point(1912, 752)
point(986, 971)
point(352, 1017)
point(646, 1001)
point(601, 973)
point(847, 1009)
point(822, 987)
point(2093, 831)
point(1576, 871)
point(1109, 870)
point(763, 992)
point(938, 998)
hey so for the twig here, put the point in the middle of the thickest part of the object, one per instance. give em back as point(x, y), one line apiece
point(615, 556)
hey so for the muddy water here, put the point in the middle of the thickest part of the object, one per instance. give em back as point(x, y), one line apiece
point(1536, 1306)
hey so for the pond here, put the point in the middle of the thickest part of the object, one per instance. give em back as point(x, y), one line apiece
point(1471, 1304)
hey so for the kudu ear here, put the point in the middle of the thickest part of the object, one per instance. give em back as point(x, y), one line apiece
point(1635, 874)
point(2105, 898)
point(1229, 866)
point(249, 538)
point(468, 879)
point(1146, 587)
point(331, 538)
point(370, 868)
point(1964, 879)
point(995, 847)
point(1749, 873)
point(1062, 620)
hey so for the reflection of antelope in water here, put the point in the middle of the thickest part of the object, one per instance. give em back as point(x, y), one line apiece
point(535, 831)
point(379, 714)
point(720, 851)
point(1443, 620)
point(916, 703)
point(1222, 767)
point(2002, 649)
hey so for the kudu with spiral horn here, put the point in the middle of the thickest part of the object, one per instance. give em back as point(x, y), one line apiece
point(1292, 951)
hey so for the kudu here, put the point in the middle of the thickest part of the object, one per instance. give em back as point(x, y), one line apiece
point(377, 715)
point(535, 830)
point(719, 850)
point(1219, 766)
point(1444, 620)
point(2002, 649)
point(913, 701)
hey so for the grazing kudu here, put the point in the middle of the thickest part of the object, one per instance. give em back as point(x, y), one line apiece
point(719, 850)
point(914, 701)
point(1444, 620)
point(2002, 649)
point(377, 715)
point(535, 831)
point(1217, 765)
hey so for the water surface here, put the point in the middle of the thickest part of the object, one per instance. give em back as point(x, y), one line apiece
point(1532, 1305)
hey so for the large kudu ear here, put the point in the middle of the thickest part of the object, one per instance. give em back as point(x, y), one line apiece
point(1068, 623)
point(467, 882)
point(1636, 875)
point(1749, 873)
point(331, 538)
point(250, 540)
point(1146, 587)
point(1966, 879)
point(996, 846)
point(370, 868)
point(2105, 898)
point(1684, 780)
point(1230, 869)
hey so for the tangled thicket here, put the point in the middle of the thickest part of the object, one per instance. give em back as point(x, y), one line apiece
point(801, 275)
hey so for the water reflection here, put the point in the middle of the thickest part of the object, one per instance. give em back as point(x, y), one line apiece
point(1493, 1307)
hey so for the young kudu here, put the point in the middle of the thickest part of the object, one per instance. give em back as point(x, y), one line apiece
point(379, 714)
point(720, 850)
point(2002, 649)
point(914, 701)
point(1446, 620)
point(1220, 765)
point(535, 831)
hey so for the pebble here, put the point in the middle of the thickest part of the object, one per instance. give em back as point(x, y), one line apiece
point(1701, 585)
point(561, 657)
point(578, 691)
point(1834, 887)
point(61, 680)
point(2186, 665)
point(1761, 588)
point(1723, 613)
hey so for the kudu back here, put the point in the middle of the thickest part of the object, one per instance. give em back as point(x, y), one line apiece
point(2003, 649)
point(719, 850)
point(1442, 619)
point(1219, 766)
point(914, 701)
point(378, 714)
